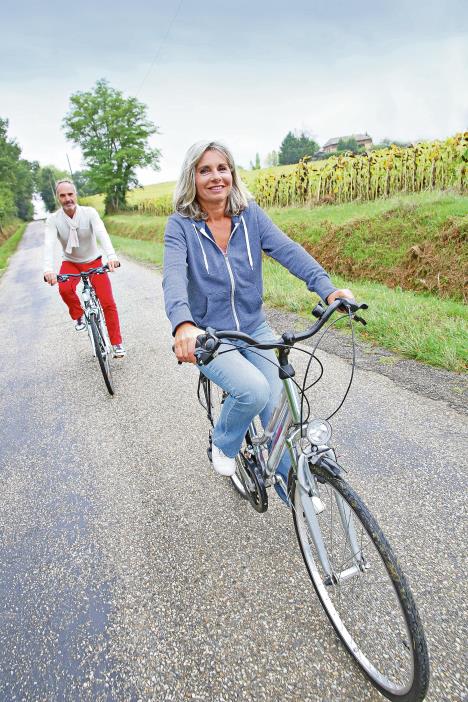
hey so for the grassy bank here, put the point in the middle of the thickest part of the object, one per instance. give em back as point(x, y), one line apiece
point(378, 249)
point(8, 247)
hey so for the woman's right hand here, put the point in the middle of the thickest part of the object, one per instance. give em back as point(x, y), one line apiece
point(184, 342)
point(50, 277)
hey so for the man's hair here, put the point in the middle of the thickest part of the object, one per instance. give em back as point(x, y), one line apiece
point(64, 180)
point(185, 193)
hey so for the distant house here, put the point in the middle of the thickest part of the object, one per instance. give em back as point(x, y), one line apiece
point(332, 144)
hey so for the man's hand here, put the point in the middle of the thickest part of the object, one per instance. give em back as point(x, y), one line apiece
point(50, 277)
point(347, 294)
point(113, 264)
point(184, 342)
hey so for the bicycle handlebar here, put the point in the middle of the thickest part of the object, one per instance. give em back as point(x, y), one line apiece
point(92, 271)
point(207, 344)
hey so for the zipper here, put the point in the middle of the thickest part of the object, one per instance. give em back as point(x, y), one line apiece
point(233, 290)
point(229, 269)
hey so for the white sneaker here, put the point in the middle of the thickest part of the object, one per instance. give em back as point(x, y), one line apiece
point(80, 323)
point(119, 351)
point(222, 463)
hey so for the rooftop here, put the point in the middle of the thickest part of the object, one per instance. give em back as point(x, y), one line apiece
point(358, 137)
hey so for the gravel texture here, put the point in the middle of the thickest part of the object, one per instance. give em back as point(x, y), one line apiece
point(130, 571)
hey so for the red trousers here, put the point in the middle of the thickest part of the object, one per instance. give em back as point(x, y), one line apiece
point(103, 288)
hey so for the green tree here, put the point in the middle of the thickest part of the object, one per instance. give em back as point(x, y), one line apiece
point(271, 159)
point(25, 186)
point(112, 132)
point(45, 185)
point(257, 165)
point(296, 146)
point(349, 145)
point(84, 183)
point(17, 179)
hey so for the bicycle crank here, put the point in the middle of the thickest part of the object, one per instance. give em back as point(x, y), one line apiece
point(254, 484)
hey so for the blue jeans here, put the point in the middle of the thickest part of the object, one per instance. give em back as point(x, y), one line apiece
point(250, 379)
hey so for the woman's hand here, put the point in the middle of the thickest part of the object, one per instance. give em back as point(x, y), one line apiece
point(347, 294)
point(50, 277)
point(184, 342)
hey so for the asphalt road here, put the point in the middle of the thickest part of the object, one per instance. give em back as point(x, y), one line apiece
point(130, 571)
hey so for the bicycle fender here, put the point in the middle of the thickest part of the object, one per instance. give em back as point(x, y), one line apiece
point(329, 465)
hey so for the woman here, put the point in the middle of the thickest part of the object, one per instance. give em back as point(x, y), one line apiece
point(213, 278)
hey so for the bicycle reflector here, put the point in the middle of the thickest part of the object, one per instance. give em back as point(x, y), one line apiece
point(319, 432)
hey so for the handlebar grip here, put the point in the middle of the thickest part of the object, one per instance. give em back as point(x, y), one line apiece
point(318, 311)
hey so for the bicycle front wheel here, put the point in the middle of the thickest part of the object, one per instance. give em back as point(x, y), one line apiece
point(361, 586)
point(102, 351)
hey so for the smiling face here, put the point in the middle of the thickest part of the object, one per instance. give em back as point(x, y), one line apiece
point(66, 195)
point(213, 179)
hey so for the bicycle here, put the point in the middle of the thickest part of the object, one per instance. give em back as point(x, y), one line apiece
point(95, 322)
point(353, 569)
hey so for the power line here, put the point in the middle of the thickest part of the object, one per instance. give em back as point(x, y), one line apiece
point(158, 52)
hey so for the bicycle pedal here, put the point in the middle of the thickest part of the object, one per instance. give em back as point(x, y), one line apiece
point(318, 504)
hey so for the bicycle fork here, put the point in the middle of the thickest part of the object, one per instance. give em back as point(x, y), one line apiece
point(308, 492)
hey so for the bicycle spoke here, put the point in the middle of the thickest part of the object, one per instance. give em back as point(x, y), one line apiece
point(367, 600)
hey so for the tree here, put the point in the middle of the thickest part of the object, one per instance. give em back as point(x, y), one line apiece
point(296, 146)
point(45, 185)
point(257, 165)
point(84, 183)
point(113, 134)
point(271, 159)
point(349, 145)
point(17, 179)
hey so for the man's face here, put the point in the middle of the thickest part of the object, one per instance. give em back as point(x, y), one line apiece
point(67, 197)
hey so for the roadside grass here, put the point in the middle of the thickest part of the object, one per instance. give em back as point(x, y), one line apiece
point(8, 248)
point(416, 325)
point(146, 251)
point(308, 222)
point(136, 226)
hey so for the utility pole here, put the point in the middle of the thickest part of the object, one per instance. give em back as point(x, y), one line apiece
point(69, 166)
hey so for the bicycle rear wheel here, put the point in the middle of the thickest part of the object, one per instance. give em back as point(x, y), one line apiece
point(102, 351)
point(362, 587)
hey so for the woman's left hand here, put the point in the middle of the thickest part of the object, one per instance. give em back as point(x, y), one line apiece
point(113, 264)
point(347, 294)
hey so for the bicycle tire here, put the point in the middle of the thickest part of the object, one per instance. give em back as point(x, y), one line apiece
point(359, 606)
point(102, 352)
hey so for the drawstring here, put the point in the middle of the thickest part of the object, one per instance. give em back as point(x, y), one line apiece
point(247, 242)
point(201, 246)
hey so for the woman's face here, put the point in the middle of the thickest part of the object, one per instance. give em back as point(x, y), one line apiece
point(213, 179)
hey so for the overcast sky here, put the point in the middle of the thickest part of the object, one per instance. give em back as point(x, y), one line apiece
point(245, 72)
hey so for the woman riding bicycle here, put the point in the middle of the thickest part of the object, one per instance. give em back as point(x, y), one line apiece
point(213, 278)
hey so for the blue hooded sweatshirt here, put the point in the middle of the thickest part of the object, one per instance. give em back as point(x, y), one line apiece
point(210, 288)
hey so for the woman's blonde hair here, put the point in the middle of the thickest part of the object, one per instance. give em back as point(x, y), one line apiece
point(185, 194)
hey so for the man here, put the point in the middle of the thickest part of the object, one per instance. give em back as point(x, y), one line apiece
point(77, 228)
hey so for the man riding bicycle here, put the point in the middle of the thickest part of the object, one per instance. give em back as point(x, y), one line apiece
point(77, 228)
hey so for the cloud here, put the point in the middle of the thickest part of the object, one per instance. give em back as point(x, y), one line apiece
point(246, 72)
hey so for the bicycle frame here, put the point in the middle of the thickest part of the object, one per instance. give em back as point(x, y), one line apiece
point(92, 307)
point(284, 431)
